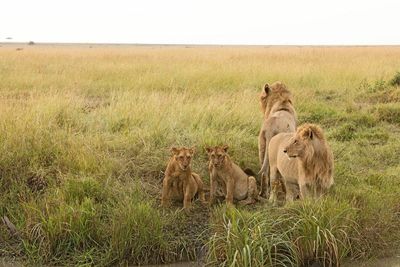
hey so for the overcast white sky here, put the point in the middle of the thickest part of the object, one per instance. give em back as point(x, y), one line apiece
point(338, 22)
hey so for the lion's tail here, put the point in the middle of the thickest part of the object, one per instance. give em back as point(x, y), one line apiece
point(265, 166)
point(264, 175)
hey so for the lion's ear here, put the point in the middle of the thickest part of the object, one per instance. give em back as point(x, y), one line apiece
point(208, 149)
point(192, 150)
point(225, 148)
point(267, 89)
point(174, 150)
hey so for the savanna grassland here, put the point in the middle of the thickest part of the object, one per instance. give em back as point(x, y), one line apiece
point(85, 134)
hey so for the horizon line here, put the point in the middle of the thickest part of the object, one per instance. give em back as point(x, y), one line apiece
point(189, 44)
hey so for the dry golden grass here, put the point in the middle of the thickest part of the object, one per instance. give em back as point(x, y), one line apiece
point(85, 134)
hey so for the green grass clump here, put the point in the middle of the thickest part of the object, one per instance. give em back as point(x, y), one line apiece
point(244, 238)
point(319, 113)
point(388, 112)
point(296, 235)
point(137, 234)
point(345, 132)
point(322, 231)
point(378, 85)
point(78, 189)
point(360, 119)
point(373, 136)
point(59, 230)
point(80, 226)
point(395, 81)
point(391, 95)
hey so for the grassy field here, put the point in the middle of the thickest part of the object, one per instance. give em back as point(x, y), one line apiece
point(85, 133)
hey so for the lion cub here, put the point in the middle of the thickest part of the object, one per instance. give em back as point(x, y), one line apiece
point(235, 183)
point(180, 183)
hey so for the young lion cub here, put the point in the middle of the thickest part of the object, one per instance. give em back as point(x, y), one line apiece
point(180, 183)
point(236, 184)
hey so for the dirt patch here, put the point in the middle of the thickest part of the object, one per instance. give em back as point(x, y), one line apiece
point(178, 264)
point(9, 263)
point(189, 230)
point(386, 262)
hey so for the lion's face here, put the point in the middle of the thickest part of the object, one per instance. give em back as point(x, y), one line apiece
point(183, 156)
point(301, 142)
point(217, 155)
point(295, 148)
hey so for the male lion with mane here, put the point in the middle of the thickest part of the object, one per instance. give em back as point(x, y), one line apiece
point(279, 117)
point(180, 183)
point(303, 158)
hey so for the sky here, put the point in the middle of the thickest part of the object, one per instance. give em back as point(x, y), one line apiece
point(250, 22)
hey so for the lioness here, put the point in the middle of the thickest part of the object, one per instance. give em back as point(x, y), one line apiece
point(302, 158)
point(279, 117)
point(180, 183)
point(235, 183)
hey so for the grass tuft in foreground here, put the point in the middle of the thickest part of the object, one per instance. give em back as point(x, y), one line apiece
point(298, 234)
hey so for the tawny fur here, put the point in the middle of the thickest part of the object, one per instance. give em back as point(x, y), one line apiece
point(279, 117)
point(235, 183)
point(302, 158)
point(316, 163)
point(180, 183)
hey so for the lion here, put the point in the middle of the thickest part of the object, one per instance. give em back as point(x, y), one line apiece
point(279, 117)
point(235, 183)
point(303, 158)
point(180, 183)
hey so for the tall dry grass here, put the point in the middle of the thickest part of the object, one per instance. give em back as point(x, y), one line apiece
point(85, 134)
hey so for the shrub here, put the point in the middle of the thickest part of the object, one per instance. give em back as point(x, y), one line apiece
point(388, 112)
point(377, 86)
point(395, 81)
